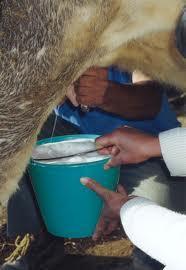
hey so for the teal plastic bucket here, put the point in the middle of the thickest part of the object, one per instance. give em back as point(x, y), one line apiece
point(68, 208)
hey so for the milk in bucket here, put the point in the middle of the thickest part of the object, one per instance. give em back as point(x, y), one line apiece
point(65, 148)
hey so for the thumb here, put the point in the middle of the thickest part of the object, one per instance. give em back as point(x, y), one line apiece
point(115, 151)
point(104, 141)
point(121, 190)
point(93, 185)
point(113, 162)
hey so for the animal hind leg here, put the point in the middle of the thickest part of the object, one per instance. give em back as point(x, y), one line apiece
point(11, 172)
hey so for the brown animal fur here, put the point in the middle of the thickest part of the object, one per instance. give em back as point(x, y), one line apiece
point(45, 45)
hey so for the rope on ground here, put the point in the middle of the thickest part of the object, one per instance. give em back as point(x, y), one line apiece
point(22, 246)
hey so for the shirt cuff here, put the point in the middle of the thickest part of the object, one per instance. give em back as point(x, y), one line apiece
point(173, 148)
point(129, 210)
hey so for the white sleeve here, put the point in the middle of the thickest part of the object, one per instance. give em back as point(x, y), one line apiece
point(157, 231)
point(173, 148)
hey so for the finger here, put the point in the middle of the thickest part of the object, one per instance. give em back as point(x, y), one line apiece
point(98, 72)
point(111, 227)
point(90, 100)
point(86, 101)
point(99, 229)
point(91, 82)
point(105, 141)
point(93, 185)
point(115, 151)
point(113, 162)
point(104, 151)
point(121, 190)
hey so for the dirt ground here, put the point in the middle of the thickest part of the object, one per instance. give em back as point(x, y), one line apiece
point(113, 252)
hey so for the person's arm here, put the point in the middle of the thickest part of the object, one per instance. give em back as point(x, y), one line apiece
point(128, 146)
point(157, 231)
point(173, 149)
point(138, 101)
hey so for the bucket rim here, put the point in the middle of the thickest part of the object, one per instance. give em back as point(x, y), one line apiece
point(67, 138)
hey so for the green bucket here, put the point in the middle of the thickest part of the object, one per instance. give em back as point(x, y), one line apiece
point(68, 208)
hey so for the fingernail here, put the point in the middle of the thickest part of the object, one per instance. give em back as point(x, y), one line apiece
point(98, 145)
point(84, 180)
point(106, 166)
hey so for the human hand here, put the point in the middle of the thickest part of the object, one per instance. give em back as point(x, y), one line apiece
point(113, 202)
point(107, 223)
point(90, 89)
point(128, 146)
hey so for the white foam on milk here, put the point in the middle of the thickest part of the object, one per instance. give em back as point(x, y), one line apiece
point(65, 148)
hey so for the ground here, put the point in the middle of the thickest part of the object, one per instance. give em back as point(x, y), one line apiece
point(110, 253)
point(113, 252)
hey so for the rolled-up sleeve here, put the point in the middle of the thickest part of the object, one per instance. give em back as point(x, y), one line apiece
point(157, 231)
point(173, 148)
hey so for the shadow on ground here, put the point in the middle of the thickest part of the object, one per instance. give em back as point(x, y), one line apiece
point(95, 263)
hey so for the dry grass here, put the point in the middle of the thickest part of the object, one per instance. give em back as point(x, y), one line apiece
point(114, 246)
